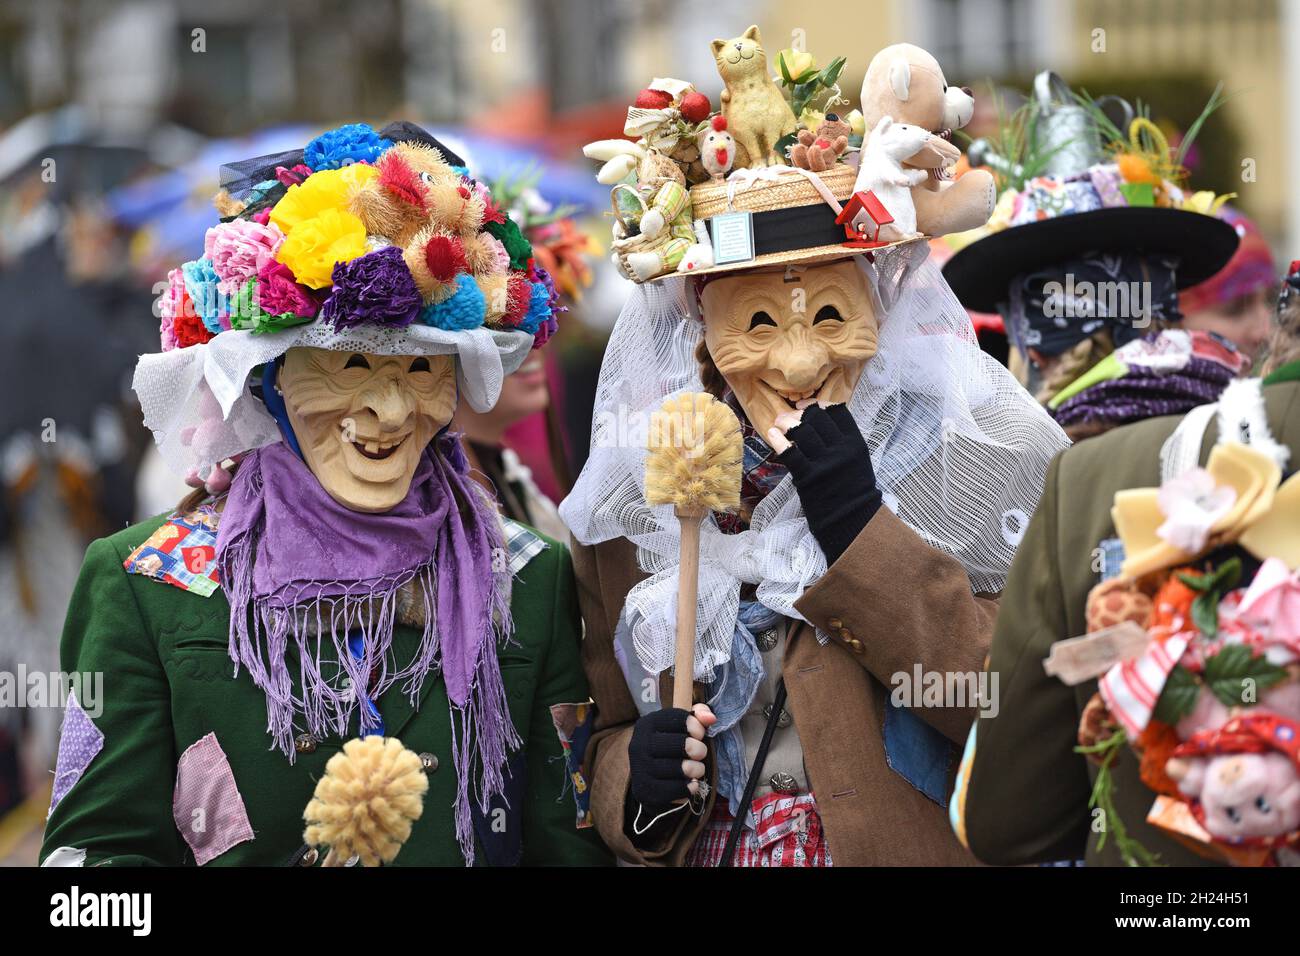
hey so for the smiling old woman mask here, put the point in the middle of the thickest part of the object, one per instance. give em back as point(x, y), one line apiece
point(778, 339)
point(364, 420)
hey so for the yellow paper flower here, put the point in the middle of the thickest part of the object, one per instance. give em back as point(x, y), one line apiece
point(328, 189)
point(797, 62)
point(857, 122)
point(1253, 477)
point(316, 244)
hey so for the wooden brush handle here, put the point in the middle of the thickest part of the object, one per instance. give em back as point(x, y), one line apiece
point(688, 588)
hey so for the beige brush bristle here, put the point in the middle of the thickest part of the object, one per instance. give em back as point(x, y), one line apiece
point(695, 454)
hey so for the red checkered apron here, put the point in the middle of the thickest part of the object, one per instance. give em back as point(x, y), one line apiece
point(789, 833)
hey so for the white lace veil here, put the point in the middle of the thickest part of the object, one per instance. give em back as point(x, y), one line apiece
point(960, 452)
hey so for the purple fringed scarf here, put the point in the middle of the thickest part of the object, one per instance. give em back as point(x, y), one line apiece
point(298, 566)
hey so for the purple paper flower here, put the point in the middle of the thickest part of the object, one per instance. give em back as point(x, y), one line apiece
point(376, 288)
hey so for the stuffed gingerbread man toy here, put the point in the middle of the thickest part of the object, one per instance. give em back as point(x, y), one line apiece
point(906, 83)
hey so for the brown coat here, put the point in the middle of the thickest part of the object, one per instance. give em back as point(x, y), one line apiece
point(888, 603)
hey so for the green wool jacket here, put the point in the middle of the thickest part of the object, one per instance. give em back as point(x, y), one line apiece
point(167, 683)
point(1028, 792)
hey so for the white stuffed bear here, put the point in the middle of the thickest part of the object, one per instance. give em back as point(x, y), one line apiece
point(882, 172)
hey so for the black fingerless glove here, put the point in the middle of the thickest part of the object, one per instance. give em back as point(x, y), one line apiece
point(655, 756)
point(831, 469)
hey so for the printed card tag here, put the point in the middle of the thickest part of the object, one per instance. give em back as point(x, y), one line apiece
point(1078, 659)
point(733, 237)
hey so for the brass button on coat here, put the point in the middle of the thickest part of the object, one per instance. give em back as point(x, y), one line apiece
point(429, 762)
point(767, 638)
point(782, 782)
point(304, 744)
point(835, 623)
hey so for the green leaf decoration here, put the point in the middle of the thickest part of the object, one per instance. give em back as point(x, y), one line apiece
point(1212, 585)
point(1205, 613)
point(1103, 796)
point(785, 70)
point(1178, 697)
point(807, 76)
point(1227, 672)
point(832, 72)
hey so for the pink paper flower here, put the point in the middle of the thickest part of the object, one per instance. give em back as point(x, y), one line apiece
point(170, 305)
point(278, 293)
point(239, 250)
point(1191, 503)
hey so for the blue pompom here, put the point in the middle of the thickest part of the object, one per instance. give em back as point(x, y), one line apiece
point(465, 309)
point(539, 308)
point(336, 148)
point(201, 287)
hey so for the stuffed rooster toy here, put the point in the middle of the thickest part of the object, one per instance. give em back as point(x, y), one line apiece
point(717, 148)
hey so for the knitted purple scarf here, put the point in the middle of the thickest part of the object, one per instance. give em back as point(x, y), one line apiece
point(299, 567)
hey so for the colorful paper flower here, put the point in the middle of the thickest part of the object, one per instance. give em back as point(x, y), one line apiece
point(328, 190)
point(347, 145)
point(279, 294)
point(1191, 504)
point(464, 309)
point(170, 305)
point(201, 285)
point(239, 250)
point(316, 245)
point(376, 288)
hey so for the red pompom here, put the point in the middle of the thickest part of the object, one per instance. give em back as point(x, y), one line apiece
point(518, 294)
point(445, 257)
point(719, 123)
point(695, 107)
point(654, 100)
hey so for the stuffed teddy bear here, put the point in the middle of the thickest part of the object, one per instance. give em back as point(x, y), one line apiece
point(1242, 794)
point(717, 148)
point(757, 114)
point(821, 150)
point(883, 173)
point(907, 84)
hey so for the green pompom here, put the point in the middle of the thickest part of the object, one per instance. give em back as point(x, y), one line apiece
point(518, 248)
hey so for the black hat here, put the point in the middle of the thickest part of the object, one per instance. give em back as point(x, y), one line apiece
point(982, 272)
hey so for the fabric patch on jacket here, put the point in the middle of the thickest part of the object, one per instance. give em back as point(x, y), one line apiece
point(80, 742)
point(918, 752)
point(206, 805)
point(573, 724)
point(1111, 554)
point(181, 551)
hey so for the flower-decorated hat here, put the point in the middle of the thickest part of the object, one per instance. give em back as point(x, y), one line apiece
point(366, 241)
point(785, 173)
point(1068, 194)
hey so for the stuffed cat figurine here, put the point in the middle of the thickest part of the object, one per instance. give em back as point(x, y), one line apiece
point(757, 114)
